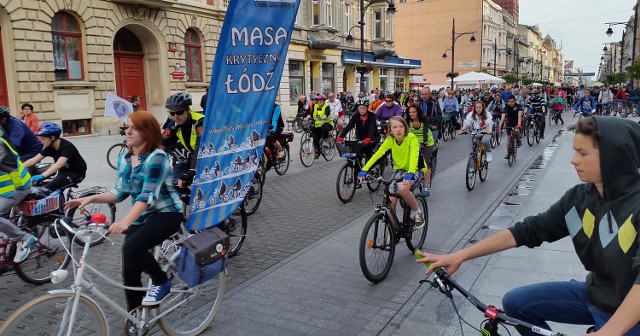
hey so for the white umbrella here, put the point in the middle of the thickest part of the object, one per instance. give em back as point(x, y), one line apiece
point(477, 78)
point(598, 84)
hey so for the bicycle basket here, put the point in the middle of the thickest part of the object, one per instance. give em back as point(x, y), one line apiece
point(446, 117)
point(347, 148)
point(306, 124)
point(41, 206)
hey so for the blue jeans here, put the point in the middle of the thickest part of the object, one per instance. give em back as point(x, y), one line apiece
point(562, 302)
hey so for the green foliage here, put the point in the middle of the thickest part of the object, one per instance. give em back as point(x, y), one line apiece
point(633, 71)
point(510, 78)
point(452, 75)
point(527, 81)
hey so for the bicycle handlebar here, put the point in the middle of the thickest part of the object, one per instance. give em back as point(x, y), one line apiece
point(445, 283)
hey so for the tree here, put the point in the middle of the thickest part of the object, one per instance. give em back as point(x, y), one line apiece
point(527, 81)
point(633, 71)
point(510, 78)
point(452, 75)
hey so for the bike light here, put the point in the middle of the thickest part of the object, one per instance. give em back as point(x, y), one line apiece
point(59, 276)
point(99, 218)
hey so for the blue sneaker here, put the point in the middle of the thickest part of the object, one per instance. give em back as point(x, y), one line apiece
point(23, 249)
point(426, 191)
point(156, 294)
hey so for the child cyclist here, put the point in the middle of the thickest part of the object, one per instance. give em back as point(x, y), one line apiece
point(405, 150)
point(419, 127)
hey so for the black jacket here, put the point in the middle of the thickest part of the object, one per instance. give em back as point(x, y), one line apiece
point(364, 130)
point(604, 230)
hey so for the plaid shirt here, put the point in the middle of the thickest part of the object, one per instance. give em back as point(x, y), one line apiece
point(150, 182)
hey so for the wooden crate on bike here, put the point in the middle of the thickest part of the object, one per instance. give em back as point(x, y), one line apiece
point(202, 256)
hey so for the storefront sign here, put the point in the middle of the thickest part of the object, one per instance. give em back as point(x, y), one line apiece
point(315, 56)
point(472, 64)
point(246, 74)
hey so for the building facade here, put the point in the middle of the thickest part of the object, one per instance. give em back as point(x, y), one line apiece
point(510, 6)
point(65, 56)
point(494, 39)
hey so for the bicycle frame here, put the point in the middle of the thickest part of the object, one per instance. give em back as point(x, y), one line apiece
point(80, 284)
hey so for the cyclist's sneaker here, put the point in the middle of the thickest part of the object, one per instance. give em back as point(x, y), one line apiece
point(426, 191)
point(280, 155)
point(23, 249)
point(418, 219)
point(489, 156)
point(506, 157)
point(156, 294)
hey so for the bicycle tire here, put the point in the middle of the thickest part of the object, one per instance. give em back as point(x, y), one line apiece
point(297, 126)
point(530, 134)
point(498, 137)
point(307, 153)
point(204, 299)
point(445, 132)
point(346, 183)
point(46, 255)
point(384, 243)
point(117, 148)
point(254, 195)
point(282, 165)
point(470, 172)
point(44, 315)
point(329, 152)
point(418, 236)
point(484, 167)
point(452, 131)
point(493, 141)
point(377, 170)
point(236, 228)
point(82, 220)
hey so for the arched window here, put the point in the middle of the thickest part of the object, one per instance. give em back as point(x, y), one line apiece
point(193, 50)
point(67, 47)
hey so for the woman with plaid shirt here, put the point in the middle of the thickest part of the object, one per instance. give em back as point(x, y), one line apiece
point(144, 174)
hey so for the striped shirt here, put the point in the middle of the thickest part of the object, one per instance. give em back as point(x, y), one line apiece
point(149, 182)
point(536, 104)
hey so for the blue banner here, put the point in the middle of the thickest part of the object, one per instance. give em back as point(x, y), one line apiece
point(246, 75)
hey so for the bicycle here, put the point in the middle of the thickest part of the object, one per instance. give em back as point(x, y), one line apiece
point(532, 133)
point(185, 311)
point(113, 153)
point(512, 147)
point(477, 163)
point(384, 229)
point(448, 130)
point(496, 137)
point(327, 149)
point(495, 316)
point(347, 183)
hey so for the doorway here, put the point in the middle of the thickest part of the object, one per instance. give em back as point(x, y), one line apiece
point(128, 60)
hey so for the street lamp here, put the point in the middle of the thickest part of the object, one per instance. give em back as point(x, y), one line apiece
point(454, 38)
point(495, 54)
point(634, 26)
point(390, 10)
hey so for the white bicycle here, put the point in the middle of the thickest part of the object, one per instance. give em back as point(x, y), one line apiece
point(73, 311)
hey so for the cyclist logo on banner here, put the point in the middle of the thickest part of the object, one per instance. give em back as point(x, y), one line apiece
point(246, 75)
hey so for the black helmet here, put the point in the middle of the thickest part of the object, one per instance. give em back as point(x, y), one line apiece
point(178, 101)
point(5, 112)
point(534, 91)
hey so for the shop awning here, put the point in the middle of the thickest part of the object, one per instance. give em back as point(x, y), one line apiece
point(353, 57)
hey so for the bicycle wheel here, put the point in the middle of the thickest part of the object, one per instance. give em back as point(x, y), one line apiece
point(470, 172)
point(493, 141)
point(537, 133)
point(328, 148)
point(452, 131)
point(377, 170)
point(307, 153)
point(191, 310)
point(530, 131)
point(114, 153)
point(346, 184)
point(80, 219)
point(49, 315)
point(511, 155)
point(282, 165)
point(498, 137)
point(445, 131)
point(47, 255)
point(236, 227)
point(418, 236)
point(484, 167)
point(297, 126)
point(377, 247)
point(254, 195)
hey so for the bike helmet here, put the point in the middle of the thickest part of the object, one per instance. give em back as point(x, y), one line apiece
point(322, 97)
point(5, 112)
point(49, 129)
point(534, 91)
point(178, 101)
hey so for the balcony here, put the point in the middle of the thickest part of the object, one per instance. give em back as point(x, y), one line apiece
point(160, 4)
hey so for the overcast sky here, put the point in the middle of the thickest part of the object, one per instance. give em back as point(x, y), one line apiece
point(578, 25)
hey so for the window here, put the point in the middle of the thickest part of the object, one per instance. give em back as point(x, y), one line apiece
point(328, 78)
point(347, 18)
point(328, 14)
point(389, 27)
point(296, 81)
point(76, 127)
point(384, 80)
point(377, 24)
point(192, 51)
point(399, 80)
point(316, 12)
point(67, 47)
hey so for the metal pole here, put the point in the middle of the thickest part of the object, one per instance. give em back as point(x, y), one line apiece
point(453, 47)
point(495, 55)
point(362, 70)
point(635, 30)
point(621, 50)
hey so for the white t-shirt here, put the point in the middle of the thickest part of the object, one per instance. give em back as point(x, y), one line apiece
point(336, 107)
point(477, 124)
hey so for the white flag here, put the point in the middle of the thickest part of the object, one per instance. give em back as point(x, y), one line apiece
point(117, 107)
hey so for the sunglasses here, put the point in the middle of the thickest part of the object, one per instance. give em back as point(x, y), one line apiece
point(176, 113)
point(389, 101)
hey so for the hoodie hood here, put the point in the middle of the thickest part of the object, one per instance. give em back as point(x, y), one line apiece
point(619, 155)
